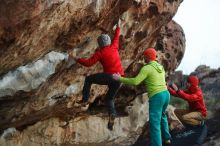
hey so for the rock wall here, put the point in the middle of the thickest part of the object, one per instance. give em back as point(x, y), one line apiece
point(39, 83)
point(85, 129)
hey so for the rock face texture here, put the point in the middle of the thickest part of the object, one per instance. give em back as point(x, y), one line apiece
point(36, 71)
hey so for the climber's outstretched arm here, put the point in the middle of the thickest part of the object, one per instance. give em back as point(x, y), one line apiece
point(115, 42)
point(91, 61)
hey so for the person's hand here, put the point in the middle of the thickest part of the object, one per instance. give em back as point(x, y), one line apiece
point(114, 27)
point(117, 25)
point(116, 76)
point(119, 22)
point(72, 55)
point(70, 52)
point(174, 87)
point(75, 57)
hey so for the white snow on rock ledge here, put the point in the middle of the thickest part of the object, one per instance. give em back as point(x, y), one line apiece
point(30, 76)
point(8, 133)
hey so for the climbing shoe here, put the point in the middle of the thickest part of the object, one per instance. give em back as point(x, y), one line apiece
point(111, 122)
point(82, 105)
point(167, 142)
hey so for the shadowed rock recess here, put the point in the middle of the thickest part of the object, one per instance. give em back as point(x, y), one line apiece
point(35, 71)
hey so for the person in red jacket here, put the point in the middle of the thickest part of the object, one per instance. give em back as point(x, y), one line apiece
point(197, 111)
point(109, 58)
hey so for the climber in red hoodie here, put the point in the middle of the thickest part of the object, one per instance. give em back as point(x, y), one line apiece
point(197, 111)
point(109, 58)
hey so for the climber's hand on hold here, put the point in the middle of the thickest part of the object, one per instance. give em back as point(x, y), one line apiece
point(114, 27)
point(117, 25)
point(116, 76)
point(70, 52)
point(72, 55)
point(119, 22)
point(75, 57)
point(174, 87)
point(169, 84)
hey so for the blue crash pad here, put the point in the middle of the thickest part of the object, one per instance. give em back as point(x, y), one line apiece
point(190, 136)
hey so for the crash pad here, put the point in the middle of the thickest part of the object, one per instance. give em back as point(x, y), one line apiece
point(189, 136)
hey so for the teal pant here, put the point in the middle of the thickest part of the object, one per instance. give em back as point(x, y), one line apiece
point(158, 119)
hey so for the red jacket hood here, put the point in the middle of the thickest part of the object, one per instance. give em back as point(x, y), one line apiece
point(194, 82)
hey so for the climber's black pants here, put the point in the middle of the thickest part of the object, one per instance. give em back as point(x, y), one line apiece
point(102, 79)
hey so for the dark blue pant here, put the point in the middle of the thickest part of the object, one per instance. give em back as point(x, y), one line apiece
point(102, 79)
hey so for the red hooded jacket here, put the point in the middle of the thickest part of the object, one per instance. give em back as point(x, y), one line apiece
point(108, 56)
point(193, 95)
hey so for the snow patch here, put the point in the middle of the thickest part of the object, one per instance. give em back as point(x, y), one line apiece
point(8, 133)
point(32, 75)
